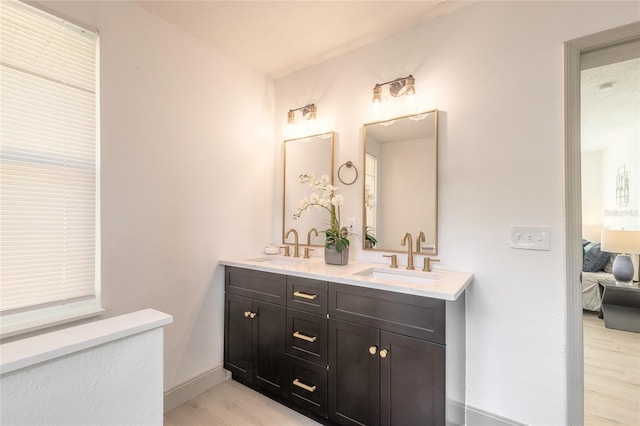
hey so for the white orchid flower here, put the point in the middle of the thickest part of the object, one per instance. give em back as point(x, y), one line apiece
point(337, 200)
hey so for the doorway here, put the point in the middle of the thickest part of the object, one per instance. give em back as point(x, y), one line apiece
point(577, 51)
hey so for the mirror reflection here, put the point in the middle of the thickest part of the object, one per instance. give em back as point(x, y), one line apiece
point(401, 182)
point(308, 155)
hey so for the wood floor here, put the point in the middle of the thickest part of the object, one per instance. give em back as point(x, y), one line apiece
point(233, 404)
point(611, 394)
point(611, 374)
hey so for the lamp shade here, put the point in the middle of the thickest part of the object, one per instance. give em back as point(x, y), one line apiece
point(620, 241)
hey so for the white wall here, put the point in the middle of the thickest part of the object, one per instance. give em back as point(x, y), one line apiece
point(495, 71)
point(592, 189)
point(187, 175)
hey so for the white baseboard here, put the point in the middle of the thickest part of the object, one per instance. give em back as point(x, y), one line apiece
point(478, 417)
point(194, 387)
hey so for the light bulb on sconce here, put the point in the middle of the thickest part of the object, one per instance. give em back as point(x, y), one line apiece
point(377, 94)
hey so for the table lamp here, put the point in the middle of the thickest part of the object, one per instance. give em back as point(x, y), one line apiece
point(625, 243)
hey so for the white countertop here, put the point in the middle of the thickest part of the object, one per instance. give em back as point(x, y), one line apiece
point(448, 285)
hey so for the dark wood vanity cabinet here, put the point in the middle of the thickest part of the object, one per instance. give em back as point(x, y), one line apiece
point(349, 355)
point(254, 348)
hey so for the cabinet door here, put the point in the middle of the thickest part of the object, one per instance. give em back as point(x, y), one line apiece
point(354, 377)
point(412, 381)
point(237, 337)
point(269, 347)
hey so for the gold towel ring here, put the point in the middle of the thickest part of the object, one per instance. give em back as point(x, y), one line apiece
point(349, 165)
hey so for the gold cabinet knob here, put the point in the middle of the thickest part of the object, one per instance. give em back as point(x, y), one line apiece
point(252, 315)
point(246, 314)
point(383, 353)
point(373, 349)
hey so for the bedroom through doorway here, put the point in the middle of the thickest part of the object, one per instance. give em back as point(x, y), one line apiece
point(610, 188)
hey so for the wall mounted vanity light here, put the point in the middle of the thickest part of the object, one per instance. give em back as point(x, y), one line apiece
point(309, 112)
point(398, 87)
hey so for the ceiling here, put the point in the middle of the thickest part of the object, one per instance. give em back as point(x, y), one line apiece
point(277, 38)
point(610, 104)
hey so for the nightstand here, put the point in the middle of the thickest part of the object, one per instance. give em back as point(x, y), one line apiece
point(621, 307)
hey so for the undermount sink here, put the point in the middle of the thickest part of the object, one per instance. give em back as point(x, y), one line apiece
point(282, 261)
point(400, 276)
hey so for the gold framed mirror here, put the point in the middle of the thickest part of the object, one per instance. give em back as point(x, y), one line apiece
point(311, 155)
point(400, 185)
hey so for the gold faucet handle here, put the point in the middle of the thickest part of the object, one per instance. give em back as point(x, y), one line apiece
point(394, 259)
point(427, 264)
point(307, 250)
point(286, 250)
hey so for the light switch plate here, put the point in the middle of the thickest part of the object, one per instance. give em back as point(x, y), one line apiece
point(531, 237)
point(351, 224)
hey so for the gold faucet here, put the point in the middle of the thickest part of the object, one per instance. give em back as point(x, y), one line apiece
point(296, 247)
point(409, 249)
point(427, 264)
point(307, 250)
point(421, 237)
point(394, 259)
point(311, 231)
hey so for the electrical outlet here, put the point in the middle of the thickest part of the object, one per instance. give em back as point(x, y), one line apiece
point(351, 224)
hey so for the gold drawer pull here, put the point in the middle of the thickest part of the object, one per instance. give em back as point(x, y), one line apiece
point(299, 384)
point(305, 295)
point(305, 337)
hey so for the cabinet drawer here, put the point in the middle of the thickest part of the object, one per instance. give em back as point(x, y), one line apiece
point(307, 336)
point(415, 316)
point(257, 285)
point(307, 295)
point(307, 385)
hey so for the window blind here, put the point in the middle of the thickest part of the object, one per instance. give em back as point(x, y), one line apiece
point(48, 162)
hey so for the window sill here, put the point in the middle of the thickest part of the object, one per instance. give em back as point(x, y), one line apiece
point(30, 351)
point(12, 328)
